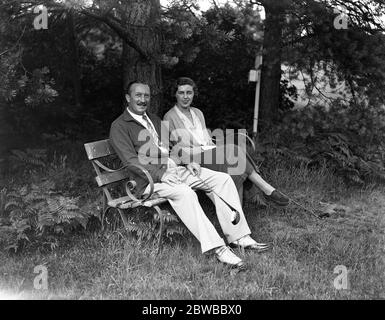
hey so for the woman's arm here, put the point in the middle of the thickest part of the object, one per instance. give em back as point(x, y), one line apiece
point(206, 132)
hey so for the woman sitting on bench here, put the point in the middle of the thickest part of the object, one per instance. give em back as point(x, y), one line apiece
point(189, 137)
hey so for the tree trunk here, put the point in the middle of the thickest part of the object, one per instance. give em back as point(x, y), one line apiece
point(271, 68)
point(142, 18)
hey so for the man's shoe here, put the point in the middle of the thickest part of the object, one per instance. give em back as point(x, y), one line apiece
point(226, 255)
point(278, 198)
point(247, 242)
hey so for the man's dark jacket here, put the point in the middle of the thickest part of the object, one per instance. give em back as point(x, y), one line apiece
point(134, 145)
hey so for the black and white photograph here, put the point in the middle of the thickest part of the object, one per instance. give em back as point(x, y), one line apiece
point(194, 157)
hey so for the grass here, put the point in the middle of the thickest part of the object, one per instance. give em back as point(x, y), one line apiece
point(300, 265)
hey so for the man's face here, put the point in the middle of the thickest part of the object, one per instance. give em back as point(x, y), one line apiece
point(139, 98)
point(184, 96)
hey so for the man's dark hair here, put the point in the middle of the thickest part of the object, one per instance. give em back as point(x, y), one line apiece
point(128, 90)
point(129, 85)
point(182, 81)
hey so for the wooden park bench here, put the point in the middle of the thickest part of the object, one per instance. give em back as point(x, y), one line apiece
point(101, 152)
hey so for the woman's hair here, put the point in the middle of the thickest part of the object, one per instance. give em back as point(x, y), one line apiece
point(183, 81)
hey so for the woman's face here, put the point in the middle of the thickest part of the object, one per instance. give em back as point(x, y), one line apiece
point(184, 96)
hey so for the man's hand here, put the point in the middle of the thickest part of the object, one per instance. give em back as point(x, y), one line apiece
point(170, 178)
point(194, 168)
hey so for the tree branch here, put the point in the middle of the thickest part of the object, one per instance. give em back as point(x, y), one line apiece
point(122, 32)
point(15, 45)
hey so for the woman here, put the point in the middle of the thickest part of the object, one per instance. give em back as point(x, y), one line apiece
point(189, 136)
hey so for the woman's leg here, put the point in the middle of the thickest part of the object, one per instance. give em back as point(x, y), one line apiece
point(269, 191)
point(251, 172)
point(255, 178)
point(214, 160)
point(221, 159)
point(232, 159)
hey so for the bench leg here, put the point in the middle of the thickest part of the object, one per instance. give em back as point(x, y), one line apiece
point(124, 218)
point(105, 208)
point(161, 227)
point(103, 216)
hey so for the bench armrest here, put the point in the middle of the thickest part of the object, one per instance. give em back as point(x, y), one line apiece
point(149, 178)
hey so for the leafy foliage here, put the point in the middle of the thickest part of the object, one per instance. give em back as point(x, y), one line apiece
point(46, 201)
point(37, 213)
point(347, 138)
point(28, 159)
point(222, 86)
point(144, 223)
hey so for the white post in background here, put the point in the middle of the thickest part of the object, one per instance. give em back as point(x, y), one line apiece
point(255, 76)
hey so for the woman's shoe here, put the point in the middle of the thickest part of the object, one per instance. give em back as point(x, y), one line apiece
point(278, 198)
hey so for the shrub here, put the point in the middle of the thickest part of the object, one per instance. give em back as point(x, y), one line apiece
point(43, 201)
point(349, 139)
point(38, 213)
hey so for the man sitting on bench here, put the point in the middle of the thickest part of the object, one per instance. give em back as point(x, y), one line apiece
point(129, 134)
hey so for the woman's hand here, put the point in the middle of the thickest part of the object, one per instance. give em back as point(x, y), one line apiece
point(194, 168)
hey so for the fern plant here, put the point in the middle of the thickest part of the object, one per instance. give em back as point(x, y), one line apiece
point(13, 224)
point(144, 223)
point(28, 159)
point(37, 212)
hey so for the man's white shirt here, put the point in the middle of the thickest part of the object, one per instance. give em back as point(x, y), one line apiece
point(170, 163)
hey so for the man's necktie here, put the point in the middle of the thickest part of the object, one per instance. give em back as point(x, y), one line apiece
point(154, 135)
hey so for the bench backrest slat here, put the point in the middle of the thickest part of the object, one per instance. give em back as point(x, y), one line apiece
point(99, 149)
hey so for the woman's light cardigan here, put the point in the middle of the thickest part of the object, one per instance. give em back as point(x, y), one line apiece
point(180, 136)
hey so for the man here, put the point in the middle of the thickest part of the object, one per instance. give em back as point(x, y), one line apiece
point(129, 136)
